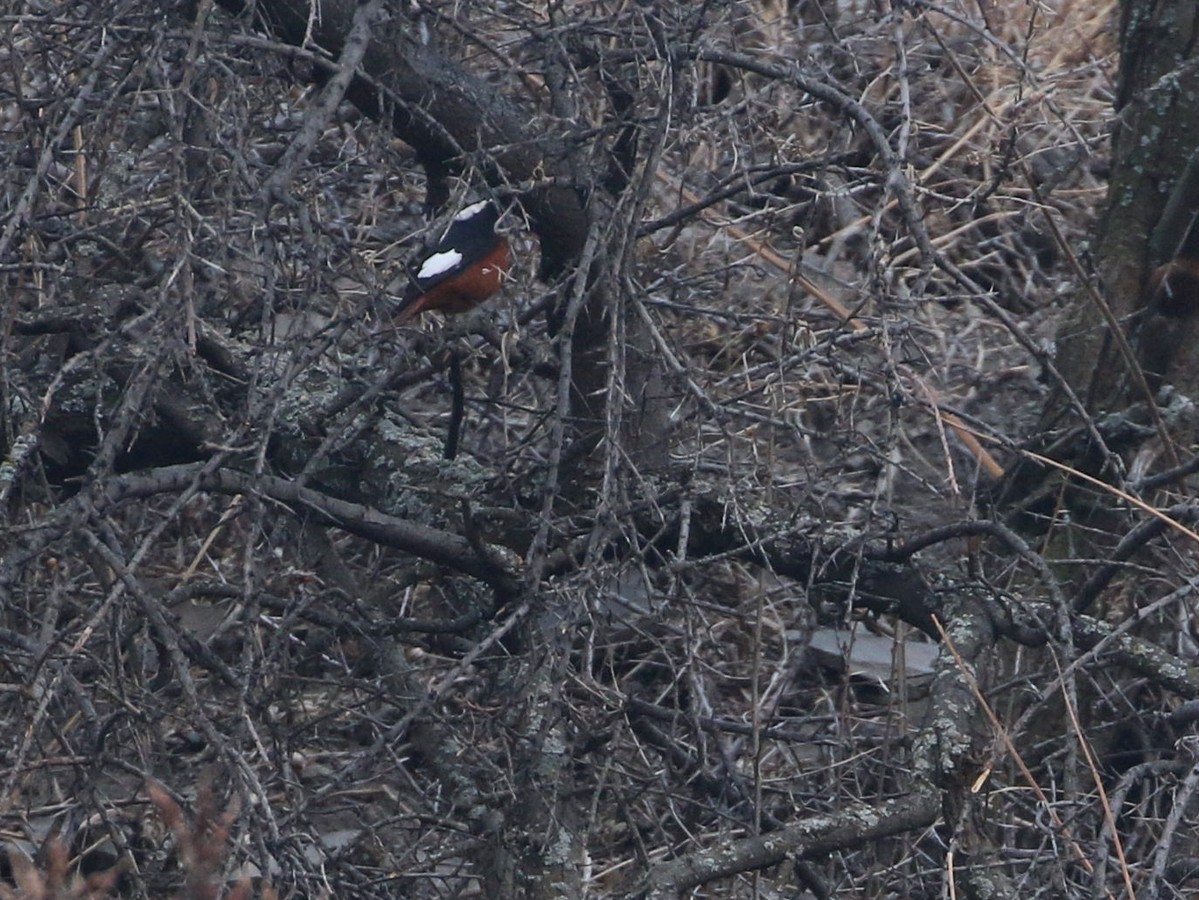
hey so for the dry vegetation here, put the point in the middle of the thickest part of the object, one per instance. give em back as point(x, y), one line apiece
point(830, 388)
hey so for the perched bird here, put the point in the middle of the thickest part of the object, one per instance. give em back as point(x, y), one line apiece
point(467, 266)
point(1174, 288)
point(1170, 306)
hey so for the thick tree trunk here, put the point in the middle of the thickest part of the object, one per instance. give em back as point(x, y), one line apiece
point(1155, 132)
point(1116, 349)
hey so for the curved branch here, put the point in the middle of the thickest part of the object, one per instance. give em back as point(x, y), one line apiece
point(845, 829)
point(896, 181)
point(1139, 655)
point(441, 547)
point(452, 118)
point(739, 182)
point(1145, 532)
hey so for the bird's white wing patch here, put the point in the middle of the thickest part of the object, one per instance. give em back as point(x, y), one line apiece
point(471, 211)
point(439, 263)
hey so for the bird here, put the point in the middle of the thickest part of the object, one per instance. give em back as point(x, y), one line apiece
point(467, 266)
point(1174, 288)
point(1163, 328)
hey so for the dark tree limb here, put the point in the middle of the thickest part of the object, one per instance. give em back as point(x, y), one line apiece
point(437, 546)
point(441, 547)
point(452, 119)
point(845, 829)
